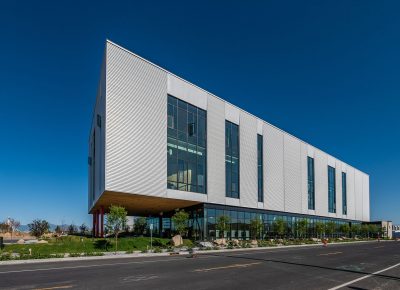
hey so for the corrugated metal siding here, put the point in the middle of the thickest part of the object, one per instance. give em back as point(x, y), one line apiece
point(321, 183)
point(215, 150)
point(292, 174)
point(248, 161)
point(274, 194)
point(351, 193)
point(304, 178)
point(359, 194)
point(339, 208)
point(186, 92)
point(365, 197)
point(136, 160)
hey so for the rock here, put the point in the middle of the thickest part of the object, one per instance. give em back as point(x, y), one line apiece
point(206, 244)
point(254, 243)
point(177, 240)
point(236, 242)
point(220, 242)
point(21, 241)
point(316, 240)
point(42, 242)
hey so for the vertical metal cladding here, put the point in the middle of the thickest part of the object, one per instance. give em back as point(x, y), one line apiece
point(248, 160)
point(274, 192)
point(292, 174)
point(136, 160)
point(358, 194)
point(321, 183)
point(304, 178)
point(351, 193)
point(339, 203)
point(215, 150)
point(365, 197)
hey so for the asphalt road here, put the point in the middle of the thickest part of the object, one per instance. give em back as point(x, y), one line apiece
point(358, 266)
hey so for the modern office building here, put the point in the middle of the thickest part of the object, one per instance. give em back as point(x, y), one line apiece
point(158, 143)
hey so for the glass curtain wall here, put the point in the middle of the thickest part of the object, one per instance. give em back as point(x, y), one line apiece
point(260, 168)
point(331, 190)
point(186, 147)
point(311, 183)
point(344, 193)
point(232, 160)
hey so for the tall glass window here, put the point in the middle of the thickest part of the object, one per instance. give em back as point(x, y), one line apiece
point(260, 168)
point(311, 183)
point(232, 159)
point(186, 146)
point(331, 190)
point(344, 192)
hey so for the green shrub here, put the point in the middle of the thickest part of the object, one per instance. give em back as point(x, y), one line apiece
point(157, 250)
point(89, 254)
point(75, 254)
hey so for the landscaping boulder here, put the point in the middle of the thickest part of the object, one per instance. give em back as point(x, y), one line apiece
point(21, 241)
point(206, 244)
point(236, 242)
point(220, 242)
point(254, 243)
point(42, 242)
point(316, 240)
point(177, 240)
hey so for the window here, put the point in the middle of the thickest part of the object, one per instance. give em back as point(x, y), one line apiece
point(232, 160)
point(331, 190)
point(311, 183)
point(344, 193)
point(260, 168)
point(186, 146)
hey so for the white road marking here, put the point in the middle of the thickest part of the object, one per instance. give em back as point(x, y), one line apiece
point(327, 254)
point(364, 277)
point(227, 267)
point(88, 266)
point(138, 278)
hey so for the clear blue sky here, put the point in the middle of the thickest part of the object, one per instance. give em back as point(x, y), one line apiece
point(328, 73)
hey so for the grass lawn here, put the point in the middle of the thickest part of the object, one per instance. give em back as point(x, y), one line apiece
point(76, 244)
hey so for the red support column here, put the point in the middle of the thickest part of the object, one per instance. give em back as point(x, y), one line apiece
point(98, 223)
point(94, 225)
point(102, 223)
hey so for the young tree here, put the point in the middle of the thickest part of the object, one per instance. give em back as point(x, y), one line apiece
point(38, 227)
point(355, 229)
point(58, 230)
point(320, 228)
point(180, 220)
point(4, 227)
point(83, 229)
point(280, 227)
point(222, 224)
point(72, 229)
point(365, 230)
point(116, 221)
point(13, 225)
point(330, 228)
point(140, 225)
point(345, 229)
point(256, 226)
point(301, 227)
point(373, 229)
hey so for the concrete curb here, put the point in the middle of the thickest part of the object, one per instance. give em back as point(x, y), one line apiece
point(146, 255)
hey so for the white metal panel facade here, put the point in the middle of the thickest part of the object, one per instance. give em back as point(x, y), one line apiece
point(358, 182)
point(292, 174)
point(248, 160)
point(136, 110)
point(135, 120)
point(187, 92)
point(321, 183)
point(304, 178)
point(338, 171)
point(274, 197)
point(215, 150)
point(366, 205)
point(351, 193)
